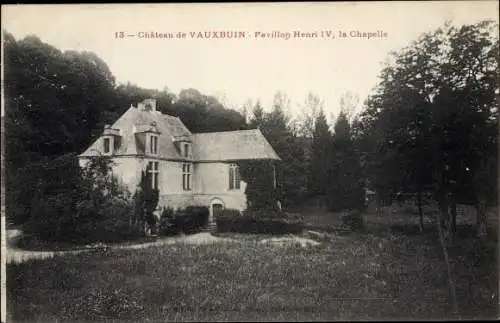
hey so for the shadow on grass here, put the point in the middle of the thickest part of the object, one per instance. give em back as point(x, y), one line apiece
point(465, 231)
point(411, 230)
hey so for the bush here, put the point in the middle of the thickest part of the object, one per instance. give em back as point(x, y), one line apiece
point(294, 216)
point(115, 225)
point(167, 222)
point(230, 214)
point(188, 220)
point(199, 214)
point(192, 218)
point(260, 190)
point(266, 214)
point(354, 221)
point(57, 219)
point(49, 219)
point(80, 205)
point(265, 221)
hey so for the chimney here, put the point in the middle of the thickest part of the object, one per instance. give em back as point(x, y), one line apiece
point(147, 105)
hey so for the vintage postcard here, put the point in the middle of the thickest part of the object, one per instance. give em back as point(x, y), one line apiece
point(319, 161)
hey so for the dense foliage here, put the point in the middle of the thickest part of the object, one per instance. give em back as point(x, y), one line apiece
point(291, 171)
point(257, 221)
point(58, 102)
point(260, 191)
point(188, 220)
point(432, 125)
point(80, 204)
point(146, 200)
point(429, 129)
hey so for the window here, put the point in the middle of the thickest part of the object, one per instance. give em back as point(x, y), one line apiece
point(186, 149)
point(274, 176)
point(234, 177)
point(153, 174)
point(153, 144)
point(107, 145)
point(186, 177)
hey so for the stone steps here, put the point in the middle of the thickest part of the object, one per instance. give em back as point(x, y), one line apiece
point(211, 227)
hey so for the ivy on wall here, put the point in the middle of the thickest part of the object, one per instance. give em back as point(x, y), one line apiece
point(260, 191)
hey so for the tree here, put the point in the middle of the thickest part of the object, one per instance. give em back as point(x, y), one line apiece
point(346, 189)
point(260, 191)
point(342, 127)
point(146, 199)
point(58, 103)
point(436, 105)
point(291, 171)
point(53, 102)
point(257, 117)
point(309, 115)
point(75, 204)
point(201, 113)
point(348, 103)
point(320, 152)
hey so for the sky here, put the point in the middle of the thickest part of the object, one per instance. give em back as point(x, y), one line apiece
point(251, 67)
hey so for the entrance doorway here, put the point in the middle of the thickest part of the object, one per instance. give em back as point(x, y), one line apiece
point(216, 208)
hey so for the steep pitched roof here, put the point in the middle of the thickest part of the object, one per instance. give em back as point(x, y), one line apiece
point(130, 143)
point(214, 146)
point(232, 145)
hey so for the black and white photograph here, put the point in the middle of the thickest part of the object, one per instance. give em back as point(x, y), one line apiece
point(212, 162)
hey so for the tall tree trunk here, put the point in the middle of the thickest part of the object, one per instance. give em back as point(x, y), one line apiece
point(482, 226)
point(481, 202)
point(444, 218)
point(420, 212)
point(451, 282)
point(442, 197)
point(453, 213)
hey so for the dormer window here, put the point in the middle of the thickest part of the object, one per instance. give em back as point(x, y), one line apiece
point(185, 150)
point(153, 144)
point(148, 136)
point(110, 139)
point(108, 145)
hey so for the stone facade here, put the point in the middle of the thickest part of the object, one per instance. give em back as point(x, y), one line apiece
point(144, 135)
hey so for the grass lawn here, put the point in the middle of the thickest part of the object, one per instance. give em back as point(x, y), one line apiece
point(376, 275)
point(32, 244)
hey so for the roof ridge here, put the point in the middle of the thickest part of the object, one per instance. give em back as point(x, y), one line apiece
point(228, 131)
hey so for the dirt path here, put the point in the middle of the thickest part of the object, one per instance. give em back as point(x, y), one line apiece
point(16, 255)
